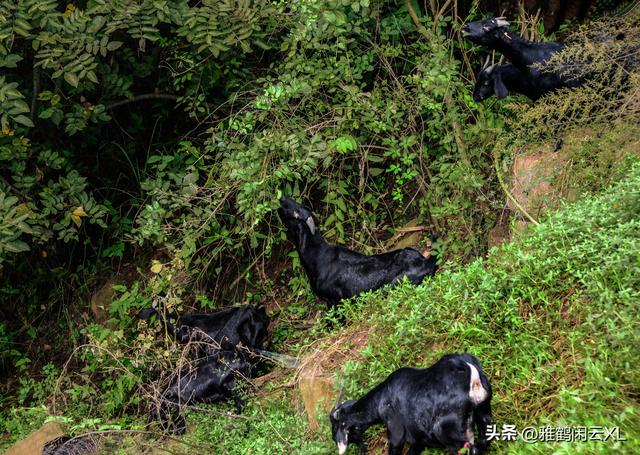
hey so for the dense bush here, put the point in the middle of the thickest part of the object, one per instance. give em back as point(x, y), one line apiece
point(136, 127)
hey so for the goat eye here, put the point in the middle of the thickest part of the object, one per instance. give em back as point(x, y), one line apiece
point(486, 82)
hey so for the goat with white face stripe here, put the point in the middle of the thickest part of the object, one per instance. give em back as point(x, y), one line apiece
point(433, 407)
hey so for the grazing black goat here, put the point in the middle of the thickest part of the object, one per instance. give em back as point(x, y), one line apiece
point(525, 55)
point(501, 80)
point(335, 272)
point(226, 328)
point(432, 407)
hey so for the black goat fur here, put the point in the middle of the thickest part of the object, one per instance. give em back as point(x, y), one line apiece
point(501, 80)
point(435, 407)
point(527, 56)
point(336, 272)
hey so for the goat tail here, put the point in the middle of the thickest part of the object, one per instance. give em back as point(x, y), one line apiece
point(477, 392)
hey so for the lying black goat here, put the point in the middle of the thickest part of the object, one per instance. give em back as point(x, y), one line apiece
point(432, 407)
point(501, 80)
point(215, 378)
point(525, 55)
point(223, 329)
point(229, 336)
point(337, 273)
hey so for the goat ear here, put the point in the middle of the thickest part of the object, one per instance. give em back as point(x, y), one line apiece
point(146, 313)
point(311, 224)
point(499, 88)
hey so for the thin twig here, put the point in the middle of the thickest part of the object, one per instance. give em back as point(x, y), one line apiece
point(506, 191)
point(36, 91)
point(147, 96)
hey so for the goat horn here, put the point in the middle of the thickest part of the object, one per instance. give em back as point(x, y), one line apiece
point(486, 62)
point(491, 68)
point(311, 224)
point(339, 396)
point(501, 22)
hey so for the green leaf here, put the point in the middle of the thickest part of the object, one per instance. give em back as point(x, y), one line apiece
point(10, 61)
point(113, 45)
point(345, 144)
point(17, 246)
point(92, 77)
point(71, 78)
point(23, 120)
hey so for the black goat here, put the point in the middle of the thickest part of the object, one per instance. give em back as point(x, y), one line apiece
point(213, 380)
point(501, 80)
point(216, 378)
point(226, 328)
point(337, 273)
point(525, 55)
point(431, 407)
point(230, 336)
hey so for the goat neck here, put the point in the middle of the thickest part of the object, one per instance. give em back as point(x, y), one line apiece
point(309, 246)
point(519, 51)
point(366, 408)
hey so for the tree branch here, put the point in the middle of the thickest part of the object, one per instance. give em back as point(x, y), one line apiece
point(14, 189)
point(415, 18)
point(147, 96)
point(36, 91)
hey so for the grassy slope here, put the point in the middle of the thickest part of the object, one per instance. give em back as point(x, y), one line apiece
point(553, 317)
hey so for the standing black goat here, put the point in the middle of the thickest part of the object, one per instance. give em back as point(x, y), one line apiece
point(525, 55)
point(432, 407)
point(337, 273)
point(501, 80)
